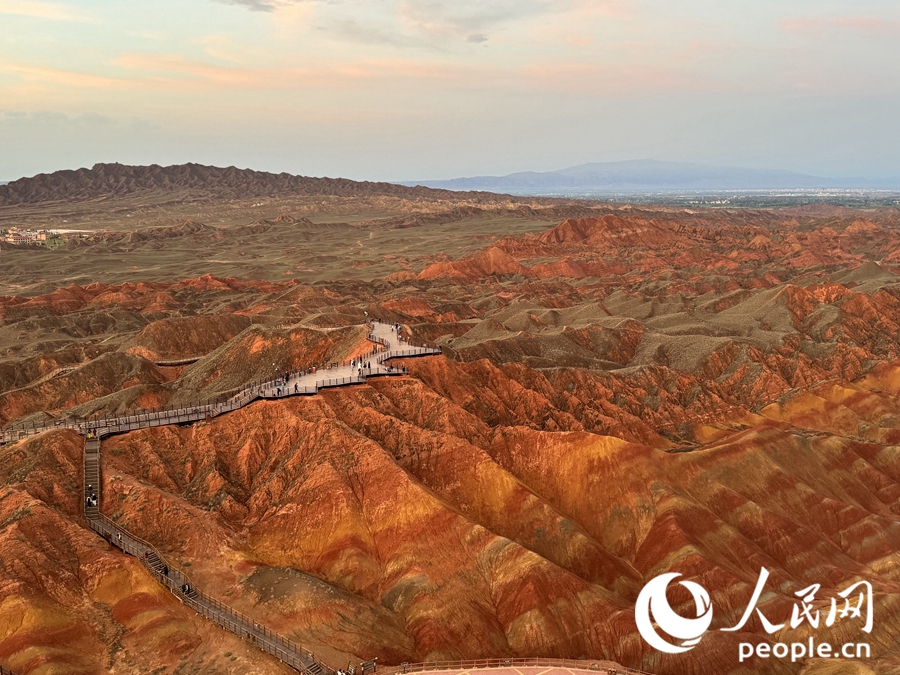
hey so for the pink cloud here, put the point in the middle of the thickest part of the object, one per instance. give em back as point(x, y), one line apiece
point(58, 76)
point(41, 10)
point(581, 41)
point(174, 70)
point(606, 8)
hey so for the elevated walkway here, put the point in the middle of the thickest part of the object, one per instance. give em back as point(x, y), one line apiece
point(388, 346)
point(305, 383)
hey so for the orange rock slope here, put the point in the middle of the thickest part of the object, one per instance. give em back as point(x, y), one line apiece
point(705, 393)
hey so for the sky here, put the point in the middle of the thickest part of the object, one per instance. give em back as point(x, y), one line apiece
point(430, 89)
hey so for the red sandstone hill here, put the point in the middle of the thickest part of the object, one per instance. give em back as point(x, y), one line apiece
point(653, 241)
point(321, 517)
point(618, 397)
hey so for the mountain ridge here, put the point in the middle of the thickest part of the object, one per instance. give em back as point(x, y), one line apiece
point(644, 174)
point(117, 180)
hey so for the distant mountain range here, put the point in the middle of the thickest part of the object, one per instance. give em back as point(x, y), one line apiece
point(649, 176)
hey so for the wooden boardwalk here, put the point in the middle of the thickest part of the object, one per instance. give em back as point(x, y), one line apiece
point(386, 346)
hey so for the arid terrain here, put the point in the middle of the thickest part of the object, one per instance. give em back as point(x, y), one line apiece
point(166, 224)
point(623, 392)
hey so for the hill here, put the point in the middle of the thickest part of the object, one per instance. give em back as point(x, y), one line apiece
point(628, 392)
point(645, 175)
point(104, 181)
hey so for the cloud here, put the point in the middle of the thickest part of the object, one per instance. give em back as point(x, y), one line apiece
point(426, 24)
point(41, 10)
point(264, 5)
point(255, 5)
point(224, 47)
point(588, 79)
point(59, 76)
point(352, 30)
point(18, 120)
point(812, 26)
point(172, 71)
point(469, 20)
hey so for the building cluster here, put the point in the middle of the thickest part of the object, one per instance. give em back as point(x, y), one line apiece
point(15, 235)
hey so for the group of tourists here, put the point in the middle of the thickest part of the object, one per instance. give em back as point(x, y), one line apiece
point(91, 500)
point(398, 329)
point(282, 383)
point(359, 364)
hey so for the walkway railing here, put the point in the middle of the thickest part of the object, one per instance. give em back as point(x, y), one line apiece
point(222, 404)
point(598, 665)
point(172, 578)
point(180, 584)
